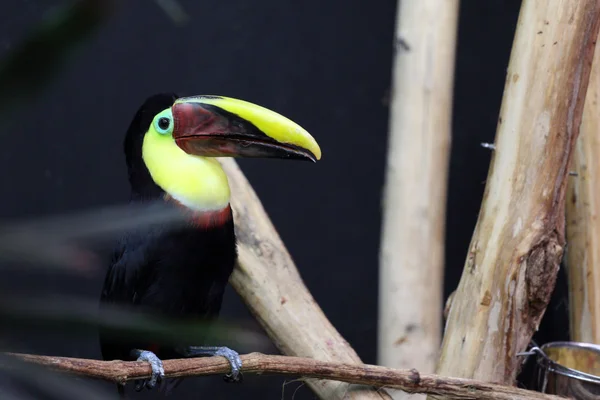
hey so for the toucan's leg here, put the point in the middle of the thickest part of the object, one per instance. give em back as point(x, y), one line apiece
point(158, 372)
point(231, 355)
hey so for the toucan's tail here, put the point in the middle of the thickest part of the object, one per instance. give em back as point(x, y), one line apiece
point(166, 386)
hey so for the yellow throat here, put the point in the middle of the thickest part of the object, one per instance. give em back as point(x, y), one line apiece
point(198, 183)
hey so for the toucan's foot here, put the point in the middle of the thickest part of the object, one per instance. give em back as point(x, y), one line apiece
point(231, 355)
point(158, 372)
point(234, 360)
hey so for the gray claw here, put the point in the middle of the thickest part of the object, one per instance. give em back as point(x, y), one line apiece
point(231, 355)
point(158, 372)
point(236, 363)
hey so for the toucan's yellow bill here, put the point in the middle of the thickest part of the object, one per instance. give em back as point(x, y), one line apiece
point(215, 126)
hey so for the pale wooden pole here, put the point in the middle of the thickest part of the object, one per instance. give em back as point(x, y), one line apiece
point(412, 241)
point(269, 283)
point(514, 255)
point(583, 226)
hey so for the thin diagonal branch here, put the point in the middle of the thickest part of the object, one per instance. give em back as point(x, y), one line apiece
point(255, 363)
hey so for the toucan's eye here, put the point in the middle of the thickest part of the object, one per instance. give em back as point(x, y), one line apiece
point(163, 122)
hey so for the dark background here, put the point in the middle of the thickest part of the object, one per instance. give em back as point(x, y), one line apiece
point(324, 64)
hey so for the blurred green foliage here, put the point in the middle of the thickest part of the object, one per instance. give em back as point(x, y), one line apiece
point(24, 73)
point(30, 67)
point(76, 315)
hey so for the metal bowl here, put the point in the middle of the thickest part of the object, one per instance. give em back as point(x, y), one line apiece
point(568, 369)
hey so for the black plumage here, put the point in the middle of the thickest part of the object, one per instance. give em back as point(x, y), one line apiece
point(178, 271)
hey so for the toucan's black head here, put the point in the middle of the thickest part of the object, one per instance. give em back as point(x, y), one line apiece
point(139, 177)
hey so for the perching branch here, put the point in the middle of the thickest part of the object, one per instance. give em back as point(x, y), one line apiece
point(514, 255)
point(412, 241)
point(583, 226)
point(270, 285)
point(256, 363)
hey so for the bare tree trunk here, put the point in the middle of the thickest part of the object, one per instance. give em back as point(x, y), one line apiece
point(412, 248)
point(518, 242)
point(583, 227)
point(270, 285)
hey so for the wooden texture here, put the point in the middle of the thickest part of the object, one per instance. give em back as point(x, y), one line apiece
point(583, 226)
point(514, 255)
point(413, 226)
point(270, 285)
point(256, 363)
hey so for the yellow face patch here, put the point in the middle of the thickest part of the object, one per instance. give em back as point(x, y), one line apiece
point(196, 182)
point(272, 124)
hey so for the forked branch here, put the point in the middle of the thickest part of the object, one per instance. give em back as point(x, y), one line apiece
point(408, 380)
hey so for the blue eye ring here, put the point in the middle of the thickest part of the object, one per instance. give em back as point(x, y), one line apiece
point(163, 123)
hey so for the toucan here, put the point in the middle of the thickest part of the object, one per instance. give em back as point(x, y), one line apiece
point(181, 271)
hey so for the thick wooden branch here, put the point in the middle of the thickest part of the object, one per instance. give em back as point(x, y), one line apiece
point(413, 225)
point(270, 285)
point(256, 363)
point(518, 242)
point(583, 226)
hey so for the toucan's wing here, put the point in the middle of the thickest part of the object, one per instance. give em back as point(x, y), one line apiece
point(127, 278)
point(128, 270)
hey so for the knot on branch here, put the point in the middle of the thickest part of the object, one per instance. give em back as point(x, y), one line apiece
point(415, 377)
point(542, 267)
